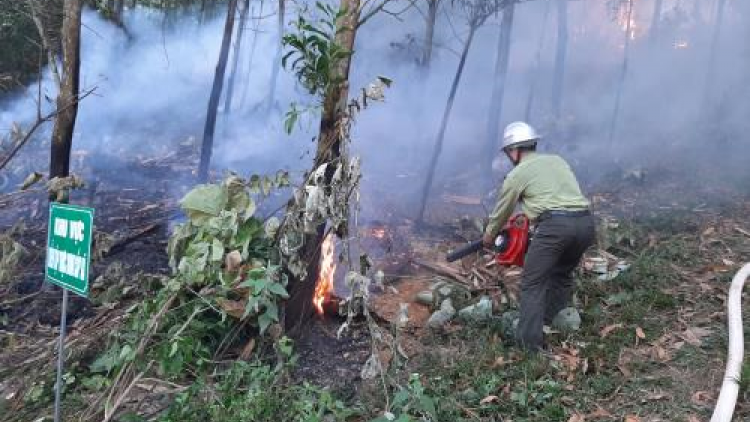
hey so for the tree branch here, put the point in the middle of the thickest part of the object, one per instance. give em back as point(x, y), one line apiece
point(40, 121)
point(381, 8)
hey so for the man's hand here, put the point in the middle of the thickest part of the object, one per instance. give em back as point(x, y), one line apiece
point(488, 241)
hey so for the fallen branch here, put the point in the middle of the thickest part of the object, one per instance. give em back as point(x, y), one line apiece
point(119, 400)
point(19, 300)
point(120, 244)
point(444, 271)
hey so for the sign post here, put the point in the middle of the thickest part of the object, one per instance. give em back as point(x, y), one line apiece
point(68, 258)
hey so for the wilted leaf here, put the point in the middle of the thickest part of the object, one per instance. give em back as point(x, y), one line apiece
point(577, 417)
point(488, 399)
point(608, 329)
point(233, 260)
point(694, 335)
point(599, 413)
point(31, 180)
point(702, 398)
point(233, 308)
point(639, 333)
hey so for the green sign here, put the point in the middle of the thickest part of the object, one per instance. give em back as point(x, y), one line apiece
point(69, 247)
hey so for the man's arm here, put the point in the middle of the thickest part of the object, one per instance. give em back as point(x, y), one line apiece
point(509, 195)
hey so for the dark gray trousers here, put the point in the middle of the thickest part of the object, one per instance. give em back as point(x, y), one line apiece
point(547, 285)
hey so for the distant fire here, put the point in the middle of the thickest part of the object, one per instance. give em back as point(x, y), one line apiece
point(378, 232)
point(324, 285)
point(627, 21)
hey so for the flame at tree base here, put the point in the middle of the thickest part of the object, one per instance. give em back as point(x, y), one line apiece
point(324, 284)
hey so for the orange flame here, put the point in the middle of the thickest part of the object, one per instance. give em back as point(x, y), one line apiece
point(379, 232)
point(324, 285)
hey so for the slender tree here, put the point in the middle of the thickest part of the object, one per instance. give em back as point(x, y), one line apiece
point(67, 98)
point(429, 39)
point(252, 56)
point(623, 73)
point(236, 56)
point(537, 64)
point(655, 21)
point(477, 12)
point(498, 92)
point(276, 69)
point(213, 101)
point(558, 82)
point(713, 53)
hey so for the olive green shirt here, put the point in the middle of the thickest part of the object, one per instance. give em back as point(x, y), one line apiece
point(541, 182)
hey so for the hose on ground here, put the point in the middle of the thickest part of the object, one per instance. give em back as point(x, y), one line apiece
point(731, 386)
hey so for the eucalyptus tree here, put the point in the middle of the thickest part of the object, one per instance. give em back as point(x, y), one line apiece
point(498, 92)
point(213, 101)
point(561, 56)
point(475, 14)
point(236, 55)
point(321, 59)
point(429, 38)
point(67, 98)
point(713, 53)
point(629, 6)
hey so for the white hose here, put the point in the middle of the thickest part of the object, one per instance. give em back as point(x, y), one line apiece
point(731, 386)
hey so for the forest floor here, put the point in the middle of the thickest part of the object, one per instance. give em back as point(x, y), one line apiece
point(652, 345)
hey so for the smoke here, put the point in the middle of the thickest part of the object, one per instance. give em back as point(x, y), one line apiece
point(152, 88)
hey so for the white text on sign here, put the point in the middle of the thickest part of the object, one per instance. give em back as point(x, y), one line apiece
point(69, 229)
point(66, 263)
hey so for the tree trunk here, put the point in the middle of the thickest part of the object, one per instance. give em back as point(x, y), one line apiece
point(213, 102)
point(67, 98)
point(252, 56)
point(537, 65)
point(655, 21)
point(498, 92)
point(444, 124)
point(560, 58)
point(276, 59)
point(623, 75)
point(713, 52)
point(236, 58)
point(432, 10)
point(300, 307)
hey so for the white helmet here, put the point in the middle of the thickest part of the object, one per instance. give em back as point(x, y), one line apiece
point(519, 134)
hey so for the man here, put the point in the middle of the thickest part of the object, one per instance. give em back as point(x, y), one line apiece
point(550, 196)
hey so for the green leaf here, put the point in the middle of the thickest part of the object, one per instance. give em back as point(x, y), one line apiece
point(272, 311)
point(205, 199)
point(217, 251)
point(400, 398)
point(290, 120)
point(428, 406)
point(174, 349)
point(278, 290)
point(263, 322)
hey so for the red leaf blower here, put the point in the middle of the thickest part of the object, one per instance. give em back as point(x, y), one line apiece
point(510, 245)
